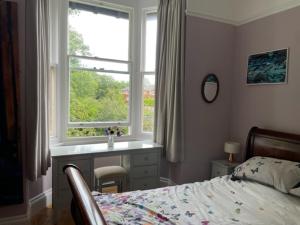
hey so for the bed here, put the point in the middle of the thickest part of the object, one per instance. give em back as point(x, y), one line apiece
point(220, 201)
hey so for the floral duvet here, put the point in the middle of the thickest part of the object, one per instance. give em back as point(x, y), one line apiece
point(219, 201)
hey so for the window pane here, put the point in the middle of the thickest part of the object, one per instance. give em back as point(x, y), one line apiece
point(98, 97)
point(52, 102)
point(76, 62)
point(97, 31)
point(92, 132)
point(150, 51)
point(149, 102)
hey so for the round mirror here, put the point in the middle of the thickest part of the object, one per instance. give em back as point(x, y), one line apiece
point(210, 88)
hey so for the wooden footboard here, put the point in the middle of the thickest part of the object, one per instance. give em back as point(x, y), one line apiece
point(84, 209)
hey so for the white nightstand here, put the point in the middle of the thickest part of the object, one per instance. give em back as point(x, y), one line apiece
point(222, 168)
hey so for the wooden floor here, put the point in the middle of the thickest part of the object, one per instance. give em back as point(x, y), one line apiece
point(44, 217)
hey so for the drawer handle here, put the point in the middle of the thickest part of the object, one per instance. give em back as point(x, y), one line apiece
point(145, 185)
point(146, 158)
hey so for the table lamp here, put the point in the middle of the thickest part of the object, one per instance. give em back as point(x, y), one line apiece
point(232, 148)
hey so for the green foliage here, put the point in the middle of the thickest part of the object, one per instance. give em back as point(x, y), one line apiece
point(149, 101)
point(148, 119)
point(76, 43)
point(84, 132)
point(91, 132)
point(96, 97)
point(76, 46)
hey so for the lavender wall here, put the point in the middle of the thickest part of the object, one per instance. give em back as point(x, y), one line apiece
point(267, 106)
point(209, 49)
point(41, 185)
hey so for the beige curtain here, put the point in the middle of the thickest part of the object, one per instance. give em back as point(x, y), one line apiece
point(36, 85)
point(168, 126)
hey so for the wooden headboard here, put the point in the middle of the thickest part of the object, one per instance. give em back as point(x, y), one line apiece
point(274, 144)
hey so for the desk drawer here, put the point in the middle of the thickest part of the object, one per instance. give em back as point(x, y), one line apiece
point(144, 171)
point(145, 159)
point(144, 183)
point(83, 164)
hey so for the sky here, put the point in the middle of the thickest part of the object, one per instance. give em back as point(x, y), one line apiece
point(108, 37)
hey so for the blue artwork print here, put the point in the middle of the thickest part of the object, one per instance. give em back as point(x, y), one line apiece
point(268, 68)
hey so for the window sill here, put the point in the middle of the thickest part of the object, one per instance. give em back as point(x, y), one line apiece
point(97, 140)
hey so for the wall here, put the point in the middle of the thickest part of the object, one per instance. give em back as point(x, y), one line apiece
point(209, 49)
point(213, 9)
point(245, 11)
point(238, 12)
point(41, 185)
point(267, 106)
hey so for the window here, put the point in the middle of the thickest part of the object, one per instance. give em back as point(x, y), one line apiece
point(148, 73)
point(103, 77)
point(99, 69)
point(52, 101)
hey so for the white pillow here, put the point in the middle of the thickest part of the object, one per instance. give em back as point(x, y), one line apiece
point(281, 174)
point(295, 191)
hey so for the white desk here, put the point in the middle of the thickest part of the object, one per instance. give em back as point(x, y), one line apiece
point(140, 158)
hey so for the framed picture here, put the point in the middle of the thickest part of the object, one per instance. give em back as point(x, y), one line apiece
point(268, 68)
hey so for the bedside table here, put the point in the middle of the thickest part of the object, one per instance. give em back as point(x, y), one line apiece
point(222, 168)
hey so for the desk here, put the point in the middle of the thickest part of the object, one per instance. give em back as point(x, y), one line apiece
point(140, 158)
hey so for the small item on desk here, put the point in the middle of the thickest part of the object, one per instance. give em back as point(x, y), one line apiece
point(111, 132)
point(232, 148)
point(110, 141)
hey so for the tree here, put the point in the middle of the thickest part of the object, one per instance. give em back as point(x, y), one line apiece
point(77, 47)
point(76, 43)
point(94, 96)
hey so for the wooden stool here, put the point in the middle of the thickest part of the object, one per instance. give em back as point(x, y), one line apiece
point(117, 174)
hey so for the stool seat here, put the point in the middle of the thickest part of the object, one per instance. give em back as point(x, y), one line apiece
point(109, 172)
point(117, 174)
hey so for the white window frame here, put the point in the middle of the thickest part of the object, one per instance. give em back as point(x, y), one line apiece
point(135, 58)
point(143, 72)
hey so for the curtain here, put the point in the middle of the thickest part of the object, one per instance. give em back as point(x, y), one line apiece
point(36, 88)
point(168, 125)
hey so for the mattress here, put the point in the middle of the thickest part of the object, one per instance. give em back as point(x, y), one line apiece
point(219, 201)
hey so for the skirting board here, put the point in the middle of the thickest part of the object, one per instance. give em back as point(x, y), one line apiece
point(39, 202)
point(35, 205)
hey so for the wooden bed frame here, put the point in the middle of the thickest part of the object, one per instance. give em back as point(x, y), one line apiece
point(260, 142)
point(274, 144)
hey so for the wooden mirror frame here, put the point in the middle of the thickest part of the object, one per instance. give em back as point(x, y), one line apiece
point(203, 85)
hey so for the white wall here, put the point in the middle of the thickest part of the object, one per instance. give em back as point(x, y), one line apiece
point(238, 11)
point(245, 10)
point(214, 9)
